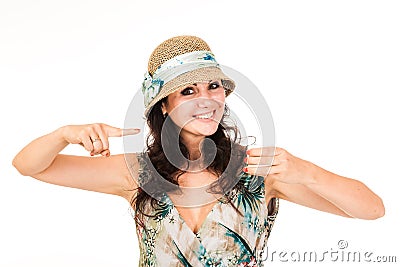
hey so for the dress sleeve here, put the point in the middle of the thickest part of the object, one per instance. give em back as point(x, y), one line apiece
point(144, 174)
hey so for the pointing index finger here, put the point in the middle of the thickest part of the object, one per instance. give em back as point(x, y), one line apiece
point(130, 131)
point(118, 132)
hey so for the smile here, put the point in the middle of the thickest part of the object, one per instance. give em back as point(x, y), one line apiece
point(205, 115)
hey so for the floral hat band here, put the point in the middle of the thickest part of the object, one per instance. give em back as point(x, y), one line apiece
point(177, 67)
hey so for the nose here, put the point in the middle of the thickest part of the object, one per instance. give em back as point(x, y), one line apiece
point(205, 99)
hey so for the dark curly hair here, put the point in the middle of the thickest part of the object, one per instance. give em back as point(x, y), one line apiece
point(229, 152)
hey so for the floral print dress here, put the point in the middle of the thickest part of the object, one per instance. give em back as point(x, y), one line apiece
point(225, 238)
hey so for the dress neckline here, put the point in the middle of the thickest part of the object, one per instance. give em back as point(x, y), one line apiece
point(206, 219)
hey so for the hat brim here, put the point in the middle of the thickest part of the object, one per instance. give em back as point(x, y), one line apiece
point(206, 74)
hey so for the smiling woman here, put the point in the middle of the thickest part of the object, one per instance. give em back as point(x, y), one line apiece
point(196, 109)
point(204, 200)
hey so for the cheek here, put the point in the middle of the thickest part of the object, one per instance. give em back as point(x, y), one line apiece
point(221, 107)
point(181, 115)
point(221, 100)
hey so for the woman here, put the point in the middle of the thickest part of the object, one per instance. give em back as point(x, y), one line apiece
point(195, 203)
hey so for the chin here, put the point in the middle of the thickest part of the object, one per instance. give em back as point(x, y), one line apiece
point(208, 133)
point(205, 130)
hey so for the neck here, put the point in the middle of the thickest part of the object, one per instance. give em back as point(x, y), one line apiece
point(192, 143)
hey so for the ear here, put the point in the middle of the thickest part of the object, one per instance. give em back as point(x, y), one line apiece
point(163, 107)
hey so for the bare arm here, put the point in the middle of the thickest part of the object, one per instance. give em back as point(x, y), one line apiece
point(333, 193)
point(304, 183)
point(108, 174)
point(350, 195)
point(40, 153)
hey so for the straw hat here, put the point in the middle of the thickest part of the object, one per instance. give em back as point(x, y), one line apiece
point(174, 59)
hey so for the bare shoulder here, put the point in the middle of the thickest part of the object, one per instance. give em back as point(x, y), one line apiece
point(130, 164)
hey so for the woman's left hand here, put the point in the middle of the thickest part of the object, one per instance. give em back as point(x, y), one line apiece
point(305, 183)
point(278, 164)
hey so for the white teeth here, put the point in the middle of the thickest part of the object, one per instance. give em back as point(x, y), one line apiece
point(205, 116)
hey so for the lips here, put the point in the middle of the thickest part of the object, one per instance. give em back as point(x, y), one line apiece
point(207, 115)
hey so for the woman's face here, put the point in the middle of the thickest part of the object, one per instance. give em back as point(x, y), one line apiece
point(197, 109)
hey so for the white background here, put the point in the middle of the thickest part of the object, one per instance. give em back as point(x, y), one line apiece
point(329, 71)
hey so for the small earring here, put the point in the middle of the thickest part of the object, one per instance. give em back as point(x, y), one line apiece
point(165, 114)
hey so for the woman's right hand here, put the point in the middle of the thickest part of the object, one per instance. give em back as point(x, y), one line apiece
point(42, 160)
point(94, 137)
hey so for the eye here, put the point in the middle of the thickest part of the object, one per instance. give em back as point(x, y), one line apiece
point(187, 91)
point(214, 85)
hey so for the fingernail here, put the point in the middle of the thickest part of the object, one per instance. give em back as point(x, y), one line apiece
point(245, 169)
